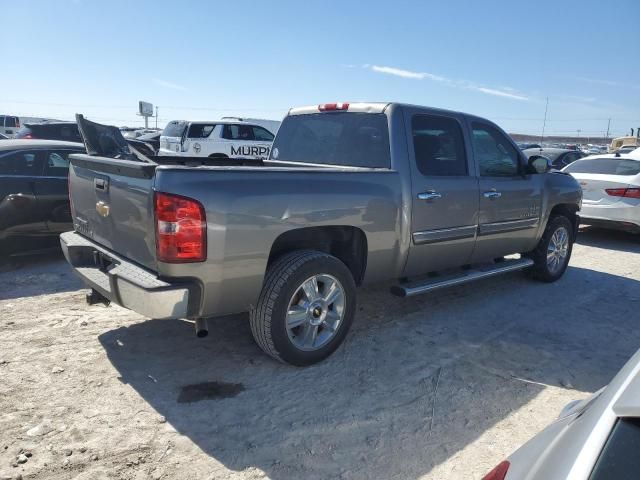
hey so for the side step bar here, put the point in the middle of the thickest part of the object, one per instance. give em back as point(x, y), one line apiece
point(415, 288)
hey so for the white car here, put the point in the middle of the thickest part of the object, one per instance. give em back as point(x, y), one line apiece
point(221, 139)
point(610, 190)
point(594, 439)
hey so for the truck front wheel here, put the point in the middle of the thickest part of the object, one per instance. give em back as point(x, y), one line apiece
point(305, 309)
point(551, 256)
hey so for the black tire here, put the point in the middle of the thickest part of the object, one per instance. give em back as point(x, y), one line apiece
point(283, 279)
point(540, 270)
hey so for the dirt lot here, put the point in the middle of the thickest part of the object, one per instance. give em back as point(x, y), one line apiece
point(438, 387)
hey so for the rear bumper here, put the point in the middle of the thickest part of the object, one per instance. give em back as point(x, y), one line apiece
point(124, 282)
point(612, 224)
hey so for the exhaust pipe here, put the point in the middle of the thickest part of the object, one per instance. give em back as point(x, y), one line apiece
point(202, 330)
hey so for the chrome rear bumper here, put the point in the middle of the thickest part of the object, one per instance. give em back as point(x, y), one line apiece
point(124, 282)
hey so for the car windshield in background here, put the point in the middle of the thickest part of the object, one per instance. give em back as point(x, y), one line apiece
point(174, 129)
point(607, 166)
point(341, 138)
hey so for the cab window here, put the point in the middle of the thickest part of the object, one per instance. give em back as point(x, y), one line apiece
point(439, 146)
point(237, 132)
point(495, 154)
point(18, 163)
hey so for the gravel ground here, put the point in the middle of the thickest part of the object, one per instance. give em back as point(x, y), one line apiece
point(437, 387)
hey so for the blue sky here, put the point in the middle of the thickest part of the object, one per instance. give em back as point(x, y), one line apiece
point(203, 60)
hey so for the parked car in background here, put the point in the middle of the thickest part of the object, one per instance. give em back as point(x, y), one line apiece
point(220, 139)
point(351, 194)
point(596, 439)
point(34, 200)
point(136, 133)
point(525, 146)
point(51, 130)
point(618, 143)
point(611, 190)
point(3, 137)
point(10, 124)
point(560, 157)
point(627, 149)
point(151, 139)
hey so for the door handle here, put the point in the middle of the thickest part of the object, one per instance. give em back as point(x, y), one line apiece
point(492, 194)
point(429, 195)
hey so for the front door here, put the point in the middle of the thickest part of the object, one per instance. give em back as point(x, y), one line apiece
point(445, 194)
point(510, 200)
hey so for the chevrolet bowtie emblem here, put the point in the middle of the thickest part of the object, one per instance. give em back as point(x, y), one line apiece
point(102, 209)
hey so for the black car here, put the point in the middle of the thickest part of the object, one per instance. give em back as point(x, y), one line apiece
point(34, 197)
point(560, 157)
point(65, 131)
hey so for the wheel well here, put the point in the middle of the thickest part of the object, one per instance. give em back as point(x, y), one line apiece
point(349, 244)
point(567, 210)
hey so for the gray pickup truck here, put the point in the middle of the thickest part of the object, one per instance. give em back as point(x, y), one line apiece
point(352, 194)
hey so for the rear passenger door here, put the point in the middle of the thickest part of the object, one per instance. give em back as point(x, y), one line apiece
point(445, 193)
point(510, 199)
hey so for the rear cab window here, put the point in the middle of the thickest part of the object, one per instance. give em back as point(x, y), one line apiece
point(336, 138)
point(606, 166)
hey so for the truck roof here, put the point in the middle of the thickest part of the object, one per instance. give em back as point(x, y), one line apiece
point(370, 107)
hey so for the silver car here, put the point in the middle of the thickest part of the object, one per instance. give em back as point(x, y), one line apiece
point(597, 438)
point(611, 190)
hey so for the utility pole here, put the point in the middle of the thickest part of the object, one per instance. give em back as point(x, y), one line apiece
point(156, 117)
point(544, 123)
point(608, 125)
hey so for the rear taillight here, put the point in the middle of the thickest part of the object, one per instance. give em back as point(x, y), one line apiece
point(27, 135)
point(330, 107)
point(499, 472)
point(69, 191)
point(181, 229)
point(624, 192)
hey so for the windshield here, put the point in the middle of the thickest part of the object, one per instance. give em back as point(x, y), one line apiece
point(174, 129)
point(608, 166)
point(337, 138)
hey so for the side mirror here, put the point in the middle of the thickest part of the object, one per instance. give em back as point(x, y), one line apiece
point(539, 164)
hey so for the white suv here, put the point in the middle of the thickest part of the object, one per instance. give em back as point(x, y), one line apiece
point(231, 139)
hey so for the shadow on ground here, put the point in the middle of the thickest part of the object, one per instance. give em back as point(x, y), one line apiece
point(416, 381)
point(609, 239)
point(41, 274)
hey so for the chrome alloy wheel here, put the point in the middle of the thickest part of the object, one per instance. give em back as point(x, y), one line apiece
point(315, 312)
point(557, 250)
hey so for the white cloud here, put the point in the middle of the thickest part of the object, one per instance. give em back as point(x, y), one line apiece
point(500, 93)
point(164, 83)
point(398, 72)
point(505, 92)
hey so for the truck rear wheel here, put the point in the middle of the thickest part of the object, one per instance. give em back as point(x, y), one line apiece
point(305, 309)
point(551, 256)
